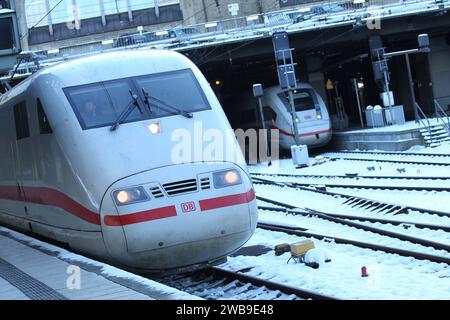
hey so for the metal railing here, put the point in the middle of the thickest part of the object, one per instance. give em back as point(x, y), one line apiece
point(312, 15)
point(424, 121)
point(315, 15)
point(439, 114)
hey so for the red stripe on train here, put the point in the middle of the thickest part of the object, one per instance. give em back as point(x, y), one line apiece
point(49, 197)
point(170, 211)
point(52, 197)
point(148, 215)
point(303, 134)
point(226, 201)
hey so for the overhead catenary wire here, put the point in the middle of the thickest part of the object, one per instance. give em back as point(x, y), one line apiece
point(40, 20)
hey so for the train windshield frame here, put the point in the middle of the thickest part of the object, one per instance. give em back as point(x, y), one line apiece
point(304, 100)
point(99, 104)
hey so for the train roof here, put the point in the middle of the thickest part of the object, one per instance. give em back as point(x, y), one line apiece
point(105, 66)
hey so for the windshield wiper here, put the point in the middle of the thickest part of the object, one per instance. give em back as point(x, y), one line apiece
point(126, 112)
point(164, 106)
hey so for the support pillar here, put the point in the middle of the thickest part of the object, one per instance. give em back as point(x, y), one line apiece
point(316, 77)
point(22, 22)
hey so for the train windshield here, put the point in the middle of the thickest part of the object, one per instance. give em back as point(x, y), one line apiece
point(100, 104)
point(303, 100)
point(178, 90)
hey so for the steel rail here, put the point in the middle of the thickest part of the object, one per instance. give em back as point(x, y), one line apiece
point(365, 245)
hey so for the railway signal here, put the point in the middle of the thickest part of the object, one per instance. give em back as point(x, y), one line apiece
point(286, 72)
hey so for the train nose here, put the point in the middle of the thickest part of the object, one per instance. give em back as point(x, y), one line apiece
point(187, 216)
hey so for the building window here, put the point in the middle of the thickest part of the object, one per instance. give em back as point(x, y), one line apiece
point(5, 4)
point(21, 121)
point(6, 31)
point(44, 125)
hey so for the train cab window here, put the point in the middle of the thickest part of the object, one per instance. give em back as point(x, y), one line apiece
point(119, 93)
point(93, 105)
point(21, 120)
point(101, 104)
point(303, 100)
point(44, 125)
point(179, 89)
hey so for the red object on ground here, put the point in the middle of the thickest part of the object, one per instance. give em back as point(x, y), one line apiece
point(364, 272)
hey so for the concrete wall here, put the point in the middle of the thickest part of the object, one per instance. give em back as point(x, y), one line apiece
point(85, 41)
point(440, 70)
point(200, 11)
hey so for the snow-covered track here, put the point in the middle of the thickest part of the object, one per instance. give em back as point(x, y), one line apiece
point(288, 209)
point(383, 232)
point(390, 183)
point(349, 176)
point(217, 283)
point(429, 155)
point(380, 207)
point(372, 160)
point(402, 252)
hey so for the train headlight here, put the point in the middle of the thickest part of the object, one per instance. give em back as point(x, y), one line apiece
point(319, 116)
point(130, 195)
point(154, 128)
point(226, 178)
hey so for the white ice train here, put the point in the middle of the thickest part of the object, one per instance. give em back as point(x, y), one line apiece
point(86, 160)
point(312, 115)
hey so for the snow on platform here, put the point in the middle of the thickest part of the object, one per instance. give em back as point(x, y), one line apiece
point(391, 137)
point(34, 270)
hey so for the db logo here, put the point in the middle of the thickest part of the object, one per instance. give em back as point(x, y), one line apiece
point(188, 206)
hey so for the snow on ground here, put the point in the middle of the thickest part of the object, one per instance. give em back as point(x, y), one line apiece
point(106, 270)
point(431, 200)
point(333, 229)
point(343, 167)
point(408, 125)
point(380, 157)
point(390, 276)
point(442, 149)
point(328, 204)
point(329, 180)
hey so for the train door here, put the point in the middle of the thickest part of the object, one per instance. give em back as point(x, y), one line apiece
point(9, 190)
point(23, 154)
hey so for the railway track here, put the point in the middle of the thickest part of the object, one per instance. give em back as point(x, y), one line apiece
point(351, 176)
point(217, 283)
point(406, 224)
point(427, 163)
point(334, 218)
point(361, 244)
point(351, 221)
point(358, 182)
point(416, 154)
point(374, 206)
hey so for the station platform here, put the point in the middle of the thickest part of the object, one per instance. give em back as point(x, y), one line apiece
point(34, 270)
point(391, 137)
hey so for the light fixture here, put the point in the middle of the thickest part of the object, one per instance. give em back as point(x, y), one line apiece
point(154, 127)
point(106, 42)
point(226, 178)
point(130, 195)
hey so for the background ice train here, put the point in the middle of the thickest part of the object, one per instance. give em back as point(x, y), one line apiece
point(116, 194)
point(311, 114)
